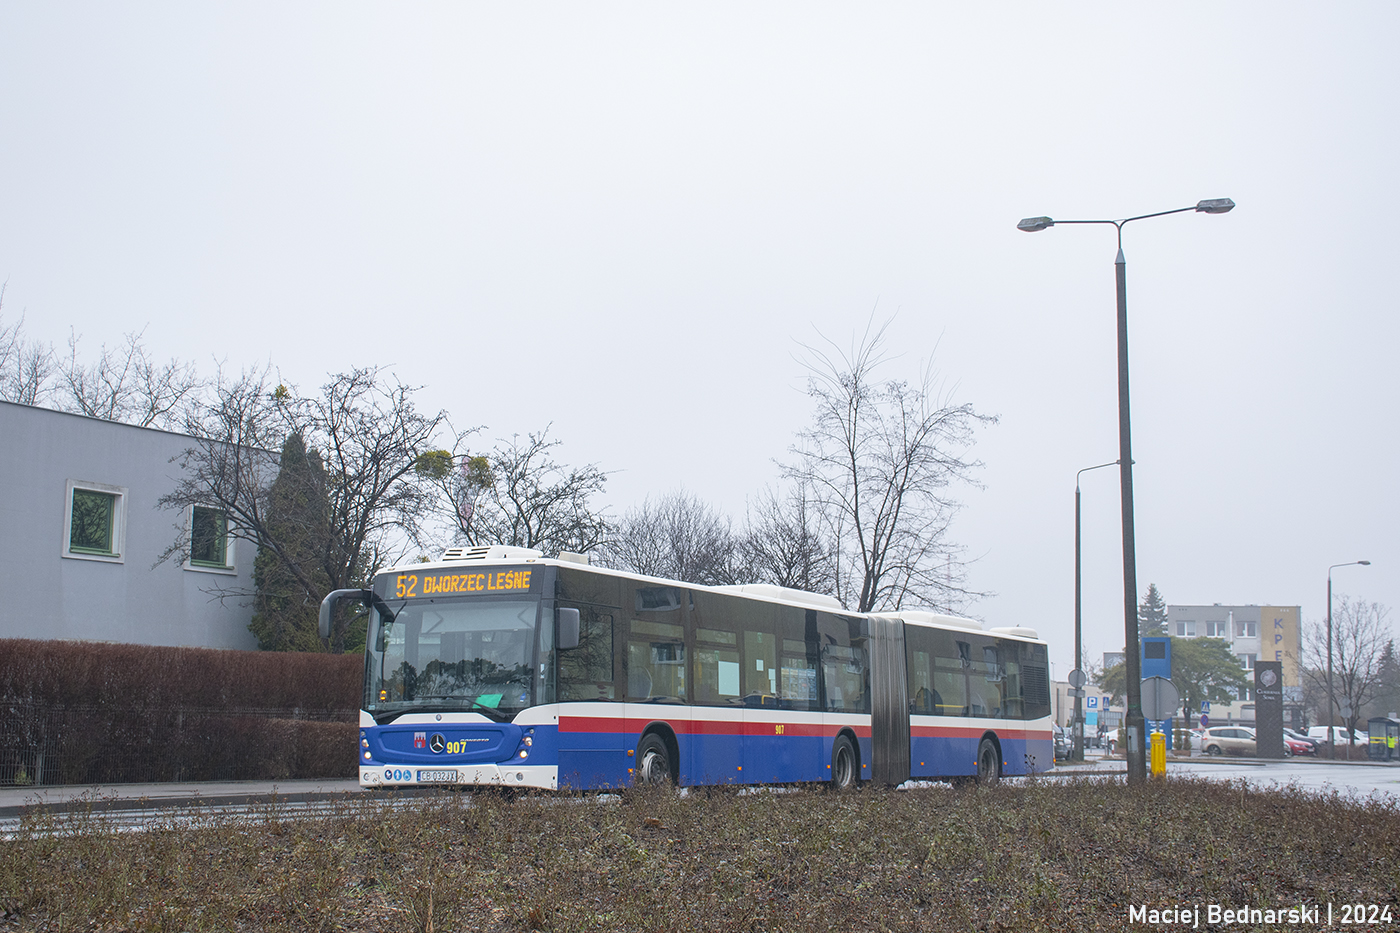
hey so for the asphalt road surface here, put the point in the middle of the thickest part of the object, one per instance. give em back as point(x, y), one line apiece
point(1321, 776)
point(133, 807)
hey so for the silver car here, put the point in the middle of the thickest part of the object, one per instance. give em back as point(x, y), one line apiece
point(1228, 740)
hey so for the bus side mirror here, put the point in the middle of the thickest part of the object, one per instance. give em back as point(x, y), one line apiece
point(568, 629)
point(328, 606)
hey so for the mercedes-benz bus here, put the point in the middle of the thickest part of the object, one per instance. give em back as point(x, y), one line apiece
point(499, 666)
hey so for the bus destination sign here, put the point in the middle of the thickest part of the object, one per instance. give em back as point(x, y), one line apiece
point(461, 582)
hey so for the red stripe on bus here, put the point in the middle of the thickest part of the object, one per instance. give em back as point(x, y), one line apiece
point(632, 726)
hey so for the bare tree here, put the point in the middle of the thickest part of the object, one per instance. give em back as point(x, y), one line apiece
point(519, 494)
point(367, 440)
point(783, 543)
point(25, 365)
point(880, 457)
point(679, 537)
point(1360, 634)
point(126, 384)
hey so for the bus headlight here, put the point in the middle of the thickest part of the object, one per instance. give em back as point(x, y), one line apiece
point(524, 753)
point(527, 741)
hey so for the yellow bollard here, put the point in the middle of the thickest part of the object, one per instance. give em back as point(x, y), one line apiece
point(1159, 755)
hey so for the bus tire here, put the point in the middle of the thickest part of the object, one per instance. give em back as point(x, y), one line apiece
point(845, 765)
point(988, 763)
point(653, 761)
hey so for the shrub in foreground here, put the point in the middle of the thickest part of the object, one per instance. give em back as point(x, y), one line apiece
point(1050, 855)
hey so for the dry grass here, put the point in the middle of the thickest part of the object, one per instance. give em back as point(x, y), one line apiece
point(1051, 855)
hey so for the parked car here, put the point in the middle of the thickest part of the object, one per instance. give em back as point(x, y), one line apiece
point(1228, 740)
point(1294, 734)
point(1063, 743)
point(1292, 746)
point(1340, 735)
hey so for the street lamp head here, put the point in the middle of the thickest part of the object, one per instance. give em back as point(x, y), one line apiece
point(1035, 224)
point(1213, 206)
point(1364, 563)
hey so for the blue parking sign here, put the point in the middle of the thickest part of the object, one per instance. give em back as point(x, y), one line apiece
point(1093, 702)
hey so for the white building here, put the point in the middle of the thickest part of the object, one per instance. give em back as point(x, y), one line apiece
point(1254, 633)
point(81, 535)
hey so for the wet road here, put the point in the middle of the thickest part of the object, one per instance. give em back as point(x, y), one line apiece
point(1346, 778)
point(131, 807)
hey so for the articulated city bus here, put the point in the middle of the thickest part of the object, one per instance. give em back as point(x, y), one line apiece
point(497, 666)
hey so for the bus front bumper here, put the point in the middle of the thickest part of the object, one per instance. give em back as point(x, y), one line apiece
point(544, 777)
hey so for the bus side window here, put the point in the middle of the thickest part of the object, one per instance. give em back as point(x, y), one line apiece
point(845, 663)
point(799, 648)
point(760, 669)
point(950, 663)
point(586, 672)
point(919, 654)
point(656, 661)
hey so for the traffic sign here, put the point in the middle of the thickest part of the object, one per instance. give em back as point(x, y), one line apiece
point(1159, 698)
point(1205, 706)
point(1077, 678)
point(1093, 702)
point(1205, 720)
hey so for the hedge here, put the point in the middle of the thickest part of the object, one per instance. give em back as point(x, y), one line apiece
point(91, 713)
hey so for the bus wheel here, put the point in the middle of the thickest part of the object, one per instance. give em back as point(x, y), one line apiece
point(844, 771)
point(988, 767)
point(653, 761)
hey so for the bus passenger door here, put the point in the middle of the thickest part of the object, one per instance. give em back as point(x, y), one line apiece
point(592, 749)
point(764, 758)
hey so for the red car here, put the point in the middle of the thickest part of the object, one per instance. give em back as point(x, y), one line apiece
point(1292, 746)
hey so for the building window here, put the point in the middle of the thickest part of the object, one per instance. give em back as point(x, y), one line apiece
point(211, 548)
point(1247, 661)
point(1186, 629)
point(1246, 630)
point(1218, 629)
point(96, 527)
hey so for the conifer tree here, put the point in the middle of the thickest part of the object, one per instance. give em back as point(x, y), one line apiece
point(299, 519)
point(1152, 614)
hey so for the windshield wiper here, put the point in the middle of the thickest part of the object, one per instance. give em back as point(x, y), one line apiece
point(471, 705)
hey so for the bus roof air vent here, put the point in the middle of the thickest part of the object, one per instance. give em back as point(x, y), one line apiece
point(492, 552)
point(935, 618)
point(1018, 630)
point(787, 594)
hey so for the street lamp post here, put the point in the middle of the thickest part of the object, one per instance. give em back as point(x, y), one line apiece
point(1331, 700)
point(1136, 751)
point(1078, 753)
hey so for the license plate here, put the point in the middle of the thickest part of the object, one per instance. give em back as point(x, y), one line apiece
point(431, 777)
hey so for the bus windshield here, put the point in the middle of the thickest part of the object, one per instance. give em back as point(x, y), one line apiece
point(462, 654)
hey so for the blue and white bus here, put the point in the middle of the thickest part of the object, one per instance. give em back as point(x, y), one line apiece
point(498, 666)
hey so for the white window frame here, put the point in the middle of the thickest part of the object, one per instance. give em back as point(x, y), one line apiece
point(118, 555)
point(230, 567)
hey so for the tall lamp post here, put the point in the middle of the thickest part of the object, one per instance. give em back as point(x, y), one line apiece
point(1136, 751)
point(1078, 753)
point(1331, 700)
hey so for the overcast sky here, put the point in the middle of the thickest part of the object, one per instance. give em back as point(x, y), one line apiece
point(622, 219)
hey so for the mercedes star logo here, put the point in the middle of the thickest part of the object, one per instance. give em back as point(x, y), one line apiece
point(437, 743)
